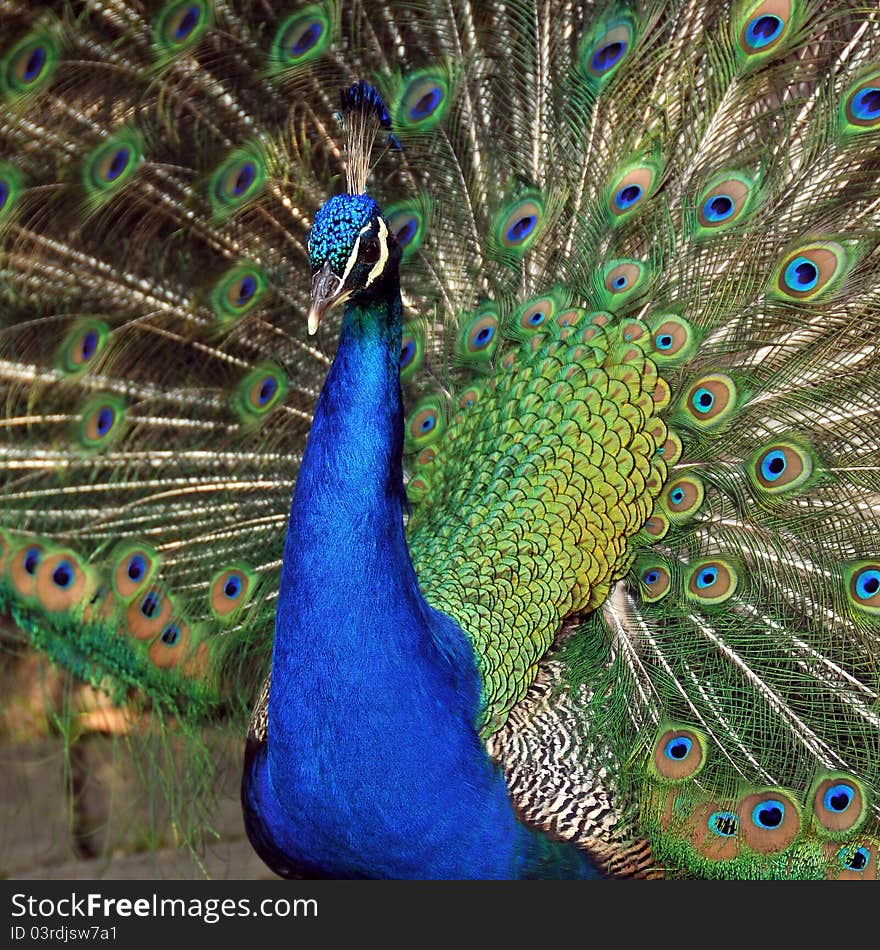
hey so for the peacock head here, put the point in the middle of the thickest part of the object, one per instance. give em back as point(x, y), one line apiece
point(352, 252)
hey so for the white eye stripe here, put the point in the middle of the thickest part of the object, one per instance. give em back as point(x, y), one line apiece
point(352, 259)
point(379, 266)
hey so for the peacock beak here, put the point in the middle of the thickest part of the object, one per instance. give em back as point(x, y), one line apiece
point(327, 290)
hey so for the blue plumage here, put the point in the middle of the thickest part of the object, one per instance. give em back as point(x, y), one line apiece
point(371, 765)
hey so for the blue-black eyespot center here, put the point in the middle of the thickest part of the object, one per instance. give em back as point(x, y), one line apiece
point(31, 560)
point(307, 39)
point(707, 577)
point(407, 352)
point(137, 567)
point(407, 232)
point(838, 798)
point(170, 635)
point(426, 104)
point(607, 56)
point(678, 748)
point(232, 587)
point(763, 30)
point(719, 207)
point(866, 103)
point(855, 859)
point(801, 274)
point(247, 287)
point(768, 814)
point(484, 337)
point(773, 465)
point(63, 575)
point(187, 23)
point(627, 196)
point(150, 605)
point(105, 419)
point(268, 388)
point(868, 584)
point(521, 228)
point(725, 824)
point(33, 67)
point(118, 163)
point(88, 345)
point(244, 179)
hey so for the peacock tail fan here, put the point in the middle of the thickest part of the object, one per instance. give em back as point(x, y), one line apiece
point(641, 311)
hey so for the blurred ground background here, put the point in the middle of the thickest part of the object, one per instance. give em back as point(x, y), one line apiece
point(78, 809)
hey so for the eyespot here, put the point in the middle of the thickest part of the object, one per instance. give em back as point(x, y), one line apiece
point(620, 279)
point(570, 317)
point(300, 39)
point(62, 582)
point(23, 566)
point(709, 401)
point(237, 292)
point(478, 336)
point(864, 585)
point(101, 422)
point(532, 317)
point(671, 449)
point(679, 754)
point(424, 101)
point(860, 106)
point(765, 26)
point(425, 424)
point(724, 203)
point(855, 861)
point(655, 582)
point(82, 345)
point(29, 65)
point(179, 26)
point(260, 392)
point(237, 181)
point(412, 351)
point(672, 338)
point(111, 165)
point(780, 467)
point(840, 804)
point(811, 270)
point(518, 226)
point(657, 526)
point(132, 569)
point(469, 398)
point(148, 613)
point(683, 498)
point(408, 224)
point(10, 190)
point(771, 821)
point(602, 54)
point(230, 591)
point(172, 645)
point(629, 191)
point(712, 581)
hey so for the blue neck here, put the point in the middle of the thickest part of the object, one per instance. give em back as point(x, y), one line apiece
point(374, 764)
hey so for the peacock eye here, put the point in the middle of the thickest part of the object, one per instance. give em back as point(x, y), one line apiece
point(370, 251)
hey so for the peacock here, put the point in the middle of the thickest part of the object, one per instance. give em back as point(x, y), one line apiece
point(475, 405)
